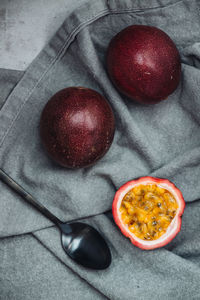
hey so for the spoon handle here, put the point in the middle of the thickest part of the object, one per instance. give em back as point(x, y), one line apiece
point(21, 191)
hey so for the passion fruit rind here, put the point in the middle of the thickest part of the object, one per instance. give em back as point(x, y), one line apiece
point(147, 234)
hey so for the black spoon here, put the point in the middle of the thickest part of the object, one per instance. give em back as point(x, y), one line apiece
point(81, 242)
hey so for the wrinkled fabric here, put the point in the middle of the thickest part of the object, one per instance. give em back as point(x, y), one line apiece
point(8, 79)
point(161, 140)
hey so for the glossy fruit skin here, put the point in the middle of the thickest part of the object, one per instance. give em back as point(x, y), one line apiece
point(144, 64)
point(77, 127)
point(176, 226)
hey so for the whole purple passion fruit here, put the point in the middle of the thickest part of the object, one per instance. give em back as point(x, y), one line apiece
point(144, 63)
point(77, 127)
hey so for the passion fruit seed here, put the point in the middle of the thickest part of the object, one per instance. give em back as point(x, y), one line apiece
point(148, 210)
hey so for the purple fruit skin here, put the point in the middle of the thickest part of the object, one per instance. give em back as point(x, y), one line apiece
point(144, 63)
point(77, 127)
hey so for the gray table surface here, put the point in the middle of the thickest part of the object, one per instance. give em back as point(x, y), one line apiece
point(26, 26)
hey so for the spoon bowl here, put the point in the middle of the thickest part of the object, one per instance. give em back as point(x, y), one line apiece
point(85, 245)
point(80, 241)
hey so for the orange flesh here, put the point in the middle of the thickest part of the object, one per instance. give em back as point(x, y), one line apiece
point(148, 210)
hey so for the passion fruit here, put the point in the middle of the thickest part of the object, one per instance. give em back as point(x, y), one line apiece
point(144, 63)
point(77, 127)
point(148, 211)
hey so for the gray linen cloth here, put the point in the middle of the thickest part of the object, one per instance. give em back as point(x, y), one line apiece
point(161, 140)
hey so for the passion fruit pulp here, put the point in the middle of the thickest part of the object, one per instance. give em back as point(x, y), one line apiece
point(148, 211)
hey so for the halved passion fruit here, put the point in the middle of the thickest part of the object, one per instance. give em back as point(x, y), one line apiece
point(148, 211)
